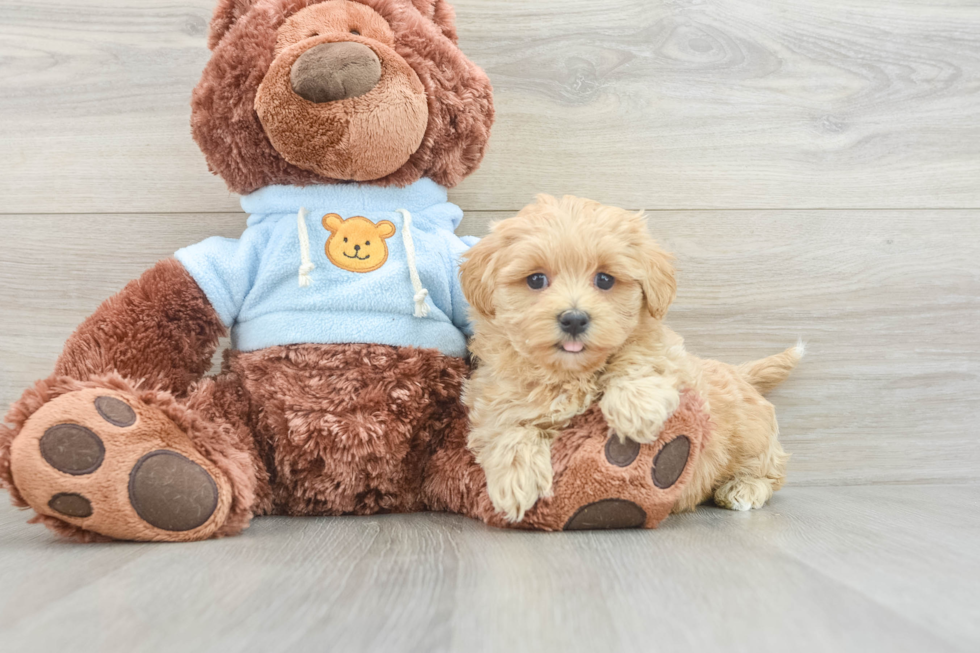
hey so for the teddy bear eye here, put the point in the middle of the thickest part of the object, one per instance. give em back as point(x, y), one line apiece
point(345, 240)
point(367, 242)
point(355, 32)
point(604, 281)
point(312, 34)
point(537, 281)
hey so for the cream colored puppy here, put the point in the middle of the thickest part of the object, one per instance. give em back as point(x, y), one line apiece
point(568, 299)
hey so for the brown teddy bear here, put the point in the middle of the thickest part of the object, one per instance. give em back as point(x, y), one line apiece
point(341, 123)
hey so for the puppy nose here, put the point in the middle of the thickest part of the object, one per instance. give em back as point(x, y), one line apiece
point(573, 322)
point(357, 248)
point(335, 71)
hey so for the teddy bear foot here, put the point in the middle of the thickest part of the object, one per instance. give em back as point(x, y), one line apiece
point(104, 462)
point(602, 482)
point(648, 484)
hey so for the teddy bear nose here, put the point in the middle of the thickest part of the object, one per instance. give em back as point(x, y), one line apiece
point(573, 322)
point(335, 71)
point(357, 248)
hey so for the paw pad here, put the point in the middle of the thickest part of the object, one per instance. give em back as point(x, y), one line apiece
point(605, 514)
point(115, 411)
point(670, 462)
point(172, 492)
point(71, 504)
point(72, 449)
point(621, 453)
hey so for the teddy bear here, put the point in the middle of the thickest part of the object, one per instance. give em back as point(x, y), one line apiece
point(341, 123)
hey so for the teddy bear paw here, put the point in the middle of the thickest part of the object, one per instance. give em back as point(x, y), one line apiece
point(105, 462)
point(603, 481)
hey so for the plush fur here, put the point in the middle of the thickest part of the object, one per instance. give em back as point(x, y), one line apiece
point(533, 378)
point(348, 428)
point(227, 127)
point(360, 138)
point(160, 329)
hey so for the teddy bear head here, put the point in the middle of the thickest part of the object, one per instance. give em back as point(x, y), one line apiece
point(323, 91)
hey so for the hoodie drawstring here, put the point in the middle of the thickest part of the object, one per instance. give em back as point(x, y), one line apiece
point(306, 265)
point(421, 308)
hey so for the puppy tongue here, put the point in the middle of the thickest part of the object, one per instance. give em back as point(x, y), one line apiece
point(573, 346)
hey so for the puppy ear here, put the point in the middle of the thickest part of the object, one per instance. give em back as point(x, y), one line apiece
point(658, 282)
point(477, 274)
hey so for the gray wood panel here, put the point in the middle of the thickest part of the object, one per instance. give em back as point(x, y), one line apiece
point(642, 103)
point(886, 568)
point(864, 110)
point(889, 302)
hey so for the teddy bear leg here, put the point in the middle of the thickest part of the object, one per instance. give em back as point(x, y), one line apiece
point(454, 482)
point(103, 460)
point(599, 482)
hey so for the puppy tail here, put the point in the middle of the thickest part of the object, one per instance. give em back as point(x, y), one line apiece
point(766, 373)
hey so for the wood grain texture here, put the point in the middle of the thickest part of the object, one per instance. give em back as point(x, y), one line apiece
point(888, 301)
point(820, 569)
point(672, 105)
point(641, 103)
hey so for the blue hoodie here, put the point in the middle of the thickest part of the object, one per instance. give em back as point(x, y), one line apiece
point(334, 264)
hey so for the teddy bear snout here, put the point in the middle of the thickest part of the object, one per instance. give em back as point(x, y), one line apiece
point(335, 71)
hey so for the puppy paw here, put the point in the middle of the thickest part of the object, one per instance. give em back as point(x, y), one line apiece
point(515, 486)
point(638, 409)
point(744, 493)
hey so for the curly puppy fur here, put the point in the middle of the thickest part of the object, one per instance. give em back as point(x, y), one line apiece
point(533, 377)
point(244, 38)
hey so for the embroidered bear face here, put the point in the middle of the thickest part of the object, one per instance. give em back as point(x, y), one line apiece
point(357, 244)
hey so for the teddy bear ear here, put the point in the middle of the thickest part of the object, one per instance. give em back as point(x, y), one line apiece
point(332, 222)
point(225, 15)
point(386, 229)
point(442, 14)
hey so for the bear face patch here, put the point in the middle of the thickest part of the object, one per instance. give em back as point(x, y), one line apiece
point(357, 244)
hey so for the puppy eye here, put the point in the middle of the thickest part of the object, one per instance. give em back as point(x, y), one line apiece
point(355, 32)
point(604, 281)
point(367, 242)
point(537, 281)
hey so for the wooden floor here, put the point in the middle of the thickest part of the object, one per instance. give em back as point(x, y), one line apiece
point(882, 568)
point(814, 166)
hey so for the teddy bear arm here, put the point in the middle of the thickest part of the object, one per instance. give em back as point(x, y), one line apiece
point(160, 328)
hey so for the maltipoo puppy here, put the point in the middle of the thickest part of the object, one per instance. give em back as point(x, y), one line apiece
point(568, 300)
